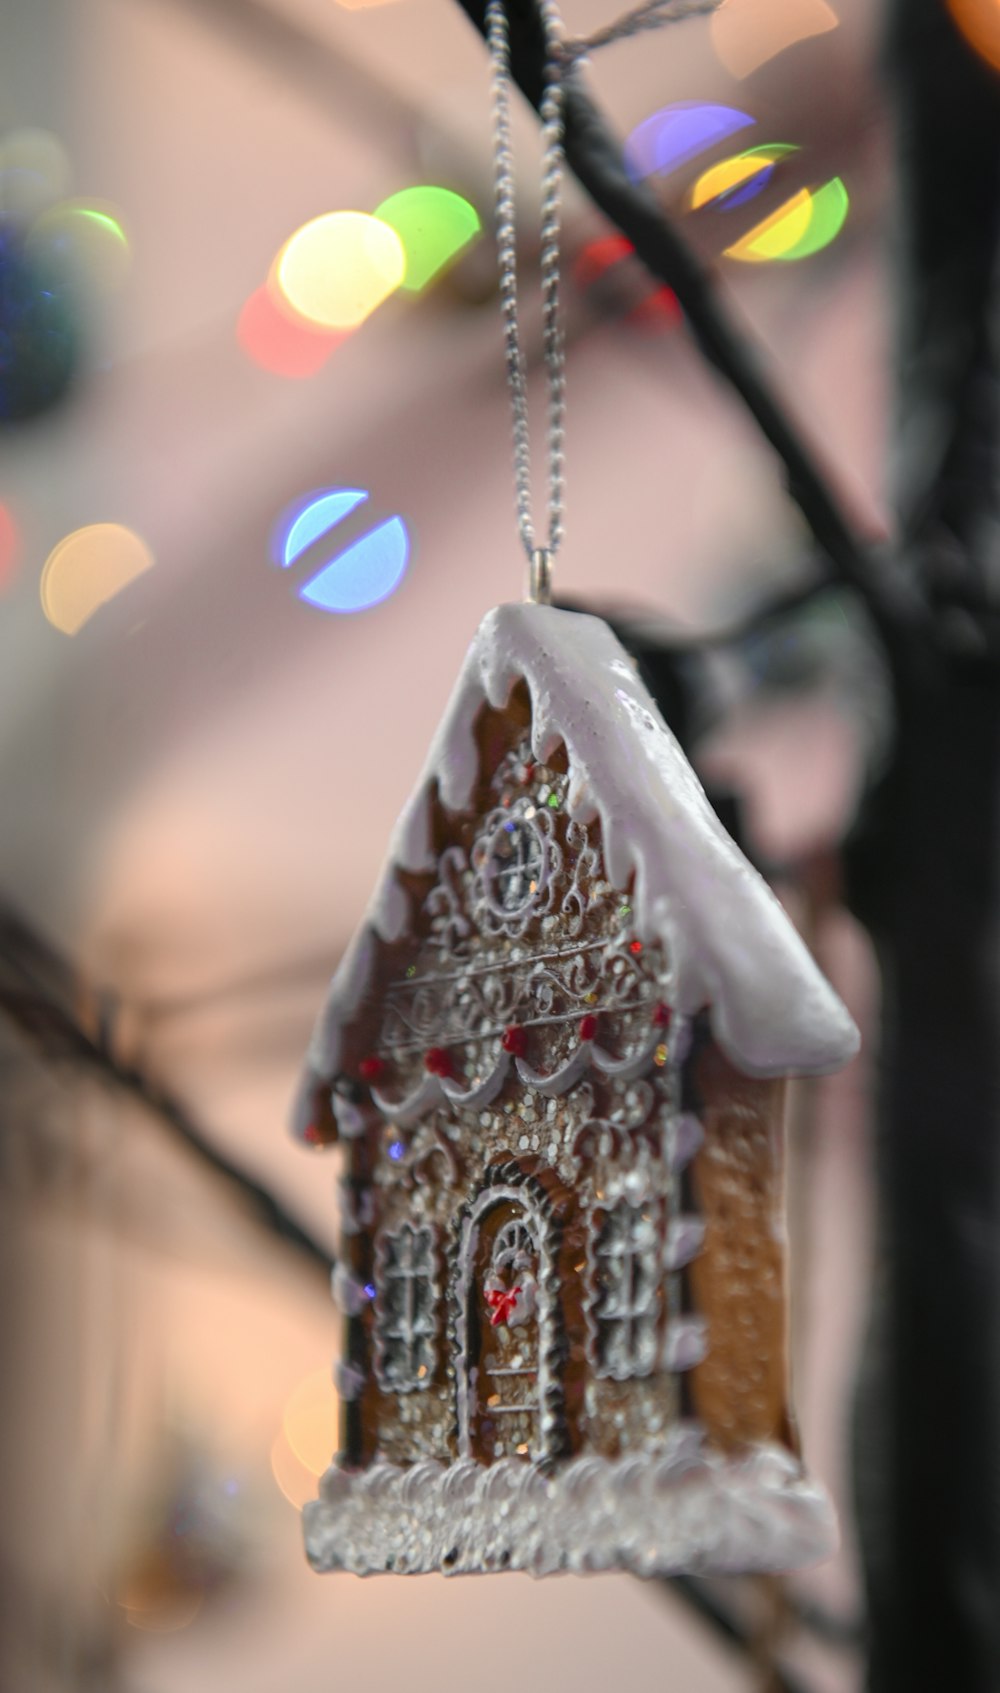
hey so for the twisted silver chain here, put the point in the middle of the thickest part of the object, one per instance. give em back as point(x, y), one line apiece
point(539, 557)
point(560, 58)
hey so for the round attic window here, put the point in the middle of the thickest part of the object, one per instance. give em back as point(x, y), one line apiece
point(515, 867)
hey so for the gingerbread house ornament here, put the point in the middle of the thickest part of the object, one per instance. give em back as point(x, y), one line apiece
point(554, 1058)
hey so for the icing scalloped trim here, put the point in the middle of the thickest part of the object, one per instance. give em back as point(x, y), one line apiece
point(683, 1508)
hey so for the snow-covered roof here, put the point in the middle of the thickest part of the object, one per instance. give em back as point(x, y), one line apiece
point(735, 950)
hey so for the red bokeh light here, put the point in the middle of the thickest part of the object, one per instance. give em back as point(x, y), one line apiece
point(279, 343)
point(8, 548)
point(658, 310)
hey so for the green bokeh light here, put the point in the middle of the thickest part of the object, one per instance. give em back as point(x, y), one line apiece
point(434, 226)
point(830, 205)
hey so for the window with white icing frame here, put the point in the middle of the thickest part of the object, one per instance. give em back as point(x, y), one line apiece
point(406, 1319)
point(627, 1288)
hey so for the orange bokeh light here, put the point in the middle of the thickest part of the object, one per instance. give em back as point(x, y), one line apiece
point(979, 22)
point(280, 343)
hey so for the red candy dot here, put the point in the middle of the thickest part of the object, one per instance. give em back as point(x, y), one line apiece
point(370, 1069)
point(635, 946)
point(438, 1061)
point(662, 1016)
point(515, 1041)
point(588, 1027)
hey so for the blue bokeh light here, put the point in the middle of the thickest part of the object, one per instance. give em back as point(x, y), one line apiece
point(677, 133)
point(343, 571)
point(321, 514)
point(366, 572)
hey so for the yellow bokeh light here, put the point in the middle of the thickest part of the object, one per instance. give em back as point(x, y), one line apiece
point(728, 174)
point(772, 238)
point(335, 270)
point(310, 1421)
point(747, 33)
point(296, 1482)
point(88, 568)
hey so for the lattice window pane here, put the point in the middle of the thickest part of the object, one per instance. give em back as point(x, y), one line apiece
point(628, 1286)
point(406, 1312)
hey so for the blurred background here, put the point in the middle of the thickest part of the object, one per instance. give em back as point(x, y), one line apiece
point(218, 681)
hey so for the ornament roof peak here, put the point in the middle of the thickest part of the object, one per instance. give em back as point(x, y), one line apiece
point(736, 951)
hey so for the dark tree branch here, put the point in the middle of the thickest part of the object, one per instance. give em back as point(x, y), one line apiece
point(924, 873)
point(37, 995)
point(949, 384)
point(598, 164)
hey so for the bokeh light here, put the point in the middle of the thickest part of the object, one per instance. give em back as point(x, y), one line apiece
point(828, 214)
point(88, 568)
point(34, 171)
point(312, 517)
point(160, 1613)
point(677, 133)
point(598, 268)
point(347, 572)
point(803, 225)
point(307, 1440)
point(336, 269)
point(310, 1421)
point(747, 33)
point(979, 22)
point(365, 573)
point(775, 235)
point(85, 239)
point(296, 1482)
point(281, 344)
point(734, 181)
point(434, 225)
point(9, 548)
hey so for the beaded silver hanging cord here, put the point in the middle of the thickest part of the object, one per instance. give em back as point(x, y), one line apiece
point(539, 557)
point(561, 56)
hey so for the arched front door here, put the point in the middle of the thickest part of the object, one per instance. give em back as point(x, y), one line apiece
point(506, 1324)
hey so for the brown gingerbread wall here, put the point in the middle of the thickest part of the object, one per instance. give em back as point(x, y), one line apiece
point(740, 1391)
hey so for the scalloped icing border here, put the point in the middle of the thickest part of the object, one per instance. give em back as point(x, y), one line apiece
point(684, 1507)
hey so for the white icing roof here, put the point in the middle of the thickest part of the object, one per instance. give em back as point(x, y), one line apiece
point(772, 1010)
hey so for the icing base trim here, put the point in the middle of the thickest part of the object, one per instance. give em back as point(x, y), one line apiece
point(682, 1508)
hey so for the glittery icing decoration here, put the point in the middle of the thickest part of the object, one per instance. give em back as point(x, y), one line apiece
point(561, 1229)
point(682, 1507)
